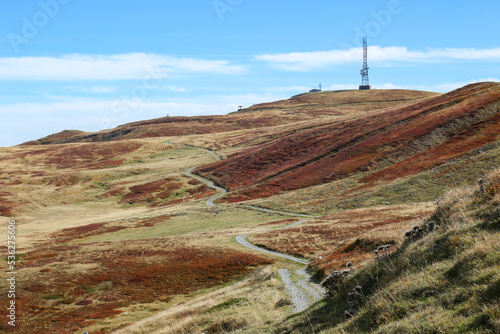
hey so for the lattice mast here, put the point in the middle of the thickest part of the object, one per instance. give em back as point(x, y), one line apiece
point(365, 82)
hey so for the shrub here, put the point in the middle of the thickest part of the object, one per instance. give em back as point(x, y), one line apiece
point(445, 280)
point(226, 325)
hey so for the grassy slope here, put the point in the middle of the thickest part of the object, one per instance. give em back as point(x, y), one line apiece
point(446, 281)
point(300, 108)
point(77, 202)
point(385, 144)
point(317, 237)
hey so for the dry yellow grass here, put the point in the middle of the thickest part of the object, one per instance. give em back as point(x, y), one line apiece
point(66, 226)
point(257, 296)
point(445, 278)
point(47, 198)
point(72, 208)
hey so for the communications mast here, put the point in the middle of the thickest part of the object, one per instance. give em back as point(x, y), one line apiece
point(365, 82)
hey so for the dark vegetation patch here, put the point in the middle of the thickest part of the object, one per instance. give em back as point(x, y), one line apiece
point(444, 278)
point(161, 192)
point(423, 135)
point(85, 231)
point(314, 238)
point(133, 273)
point(60, 136)
point(82, 156)
point(6, 206)
point(148, 192)
point(226, 325)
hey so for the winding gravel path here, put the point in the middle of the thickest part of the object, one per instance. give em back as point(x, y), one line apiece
point(211, 200)
point(241, 239)
point(281, 212)
point(302, 293)
point(298, 296)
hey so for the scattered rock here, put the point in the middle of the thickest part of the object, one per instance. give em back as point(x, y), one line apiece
point(282, 303)
point(349, 313)
point(431, 226)
point(481, 186)
point(383, 250)
point(335, 282)
point(354, 300)
point(417, 231)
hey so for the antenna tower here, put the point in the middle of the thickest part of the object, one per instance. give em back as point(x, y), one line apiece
point(365, 82)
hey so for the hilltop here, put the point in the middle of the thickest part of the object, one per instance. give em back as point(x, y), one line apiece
point(370, 148)
point(116, 234)
point(299, 108)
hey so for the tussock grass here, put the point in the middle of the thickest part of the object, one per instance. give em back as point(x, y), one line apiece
point(444, 281)
point(248, 306)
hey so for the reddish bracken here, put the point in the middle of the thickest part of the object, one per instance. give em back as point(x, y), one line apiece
point(313, 238)
point(140, 272)
point(334, 151)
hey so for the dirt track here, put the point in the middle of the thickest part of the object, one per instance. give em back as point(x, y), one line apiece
point(301, 289)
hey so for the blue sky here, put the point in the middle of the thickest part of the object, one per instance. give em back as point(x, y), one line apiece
point(90, 65)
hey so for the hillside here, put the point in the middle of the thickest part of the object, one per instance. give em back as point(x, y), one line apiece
point(299, 108)
point(376, 146)
point(443, 279)
point(115, 234)
point(75, 205)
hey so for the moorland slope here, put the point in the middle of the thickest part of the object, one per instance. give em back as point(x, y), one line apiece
point(445, 277)
point(298, 108)
point(113, 232)
point(379, 145)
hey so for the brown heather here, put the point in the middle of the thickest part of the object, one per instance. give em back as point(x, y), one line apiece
point(442, 281)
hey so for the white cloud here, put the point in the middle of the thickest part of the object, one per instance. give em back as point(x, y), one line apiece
point(289, 89)
point(306, 61)
point(114, 67)
point(93, 115)
point(64, 105)
point(92, 89)
point(443, 87)
point(101, 89)
point(340, 87)
point(172, 88)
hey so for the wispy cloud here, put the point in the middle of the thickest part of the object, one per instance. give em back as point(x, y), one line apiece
point(113, 67)
point(172, 88)
point(92, 89)
point(75, 108)
point(286, 89)
point(306, 61)
point(443, 87)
